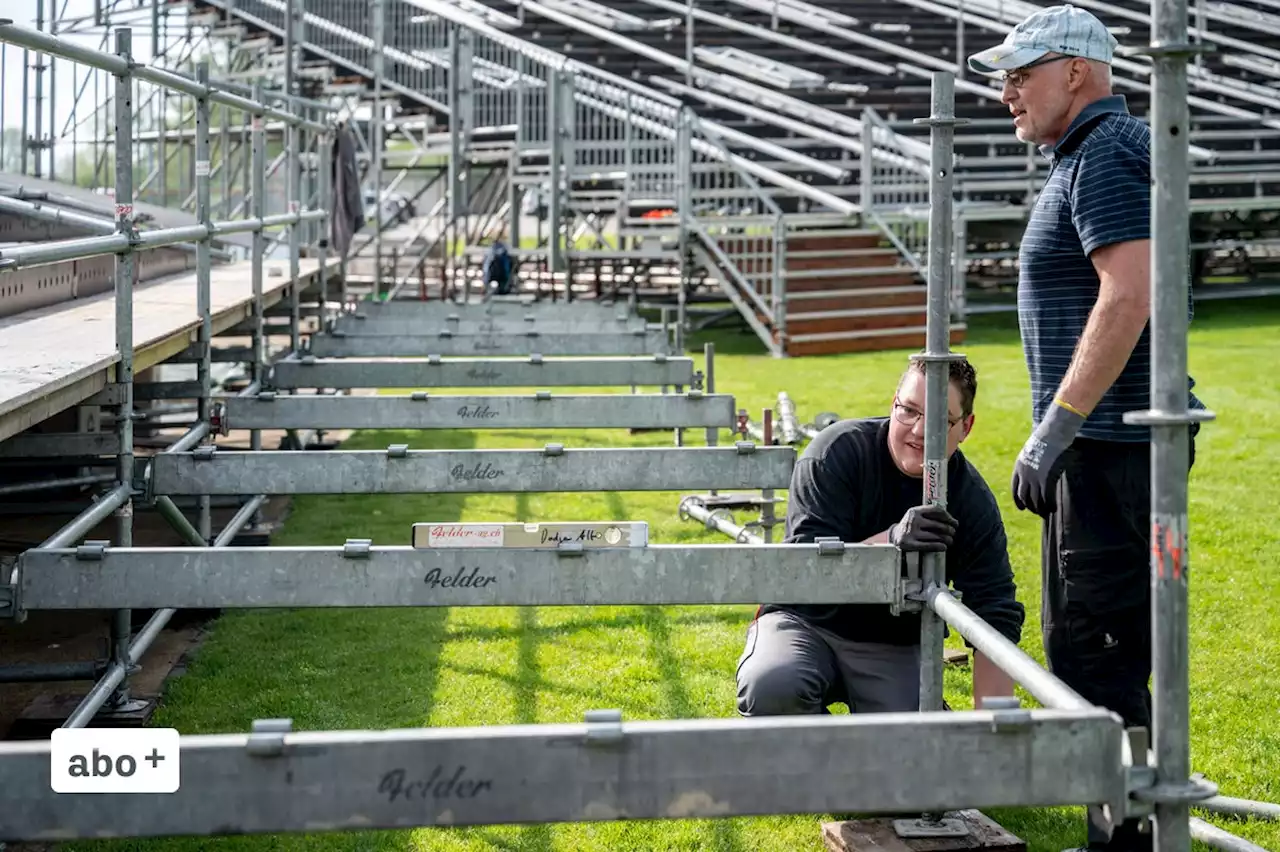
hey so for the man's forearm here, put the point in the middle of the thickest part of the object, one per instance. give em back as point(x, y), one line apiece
point(1109, 339)
point(1115, 323)
point(988, 680)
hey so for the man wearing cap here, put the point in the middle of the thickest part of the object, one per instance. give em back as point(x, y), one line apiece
point(1083, 305)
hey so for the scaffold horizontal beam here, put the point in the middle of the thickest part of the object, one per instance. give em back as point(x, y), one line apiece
point(399, 470)
point(347, 373)
point(424, 411)
point(274, 780)
point(545, 324)
point(422, 345)
point(491, 308)
point(94, 576)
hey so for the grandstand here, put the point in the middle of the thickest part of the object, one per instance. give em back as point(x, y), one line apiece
point(196, 285)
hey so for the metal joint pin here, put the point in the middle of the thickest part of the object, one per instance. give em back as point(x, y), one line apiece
point(419, 396)
point(829, 546)
point(357, 548)
point(204, 453)
point(448, 332)
point(571, 548)
point(267, 737)
point(745, 448)
point(553, 450)
point(535, 358)
point(398, 451)
point(660, 358)
point(266, 396)
point(92, 551)
point(309, 360)
point(433, 360)
point(604, 727)
point(542, 394)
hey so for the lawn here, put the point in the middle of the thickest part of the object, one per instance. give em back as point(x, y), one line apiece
point(393, 668)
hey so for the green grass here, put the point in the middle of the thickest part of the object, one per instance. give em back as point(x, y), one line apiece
point(387, 668)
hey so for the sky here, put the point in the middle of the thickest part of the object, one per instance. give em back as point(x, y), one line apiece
point(23, 13)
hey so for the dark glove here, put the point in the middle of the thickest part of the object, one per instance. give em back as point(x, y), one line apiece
point(1036, 472)
point(923, 528)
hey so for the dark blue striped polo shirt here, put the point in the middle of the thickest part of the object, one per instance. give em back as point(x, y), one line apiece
point(1098, 193)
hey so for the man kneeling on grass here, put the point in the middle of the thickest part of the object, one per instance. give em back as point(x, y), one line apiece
point(860, 481)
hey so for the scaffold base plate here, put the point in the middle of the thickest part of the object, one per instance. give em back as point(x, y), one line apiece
point(879, 835)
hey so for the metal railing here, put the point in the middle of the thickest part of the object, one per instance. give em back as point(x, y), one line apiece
point(895, 190)
point(127, 243)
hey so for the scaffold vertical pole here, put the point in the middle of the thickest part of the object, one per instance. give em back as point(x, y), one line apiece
point(121, 620)
point(1169, 420)
point(293, 164)
point(258, 209)
point(203, 273)
point(937, 358)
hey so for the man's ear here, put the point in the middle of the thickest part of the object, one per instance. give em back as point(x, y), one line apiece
point(966, 426)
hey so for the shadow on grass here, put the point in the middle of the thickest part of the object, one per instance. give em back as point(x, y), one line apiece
point(725, 834)
point(326, 669)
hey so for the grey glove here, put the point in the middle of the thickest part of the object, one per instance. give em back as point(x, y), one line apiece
point(1036, 472)
point(923, 528)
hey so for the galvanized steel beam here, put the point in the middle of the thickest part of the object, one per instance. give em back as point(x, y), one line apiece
point(399, 470)
point(358, 575)
point(311, 372)
point(545, 323)
point(424, 411)
point(603, 769)
point(632, 343)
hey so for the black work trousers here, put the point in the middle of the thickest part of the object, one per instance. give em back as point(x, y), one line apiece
point(1096, 593)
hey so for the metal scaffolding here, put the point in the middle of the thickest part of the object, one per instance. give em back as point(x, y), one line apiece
point(603, 768)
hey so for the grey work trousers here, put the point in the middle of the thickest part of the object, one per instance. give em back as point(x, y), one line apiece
point(791, 667)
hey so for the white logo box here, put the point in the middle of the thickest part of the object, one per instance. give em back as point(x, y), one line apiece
point(590, 534)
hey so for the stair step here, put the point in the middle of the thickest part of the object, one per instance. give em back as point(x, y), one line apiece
point(841, 259)
point(847, 272)
point(805, 297)
point(868, 319)
point(896, 297)
point(873, 340)
point(855, 312)
point(834, 239)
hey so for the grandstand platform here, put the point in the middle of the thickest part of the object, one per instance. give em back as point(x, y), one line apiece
point(60, 356)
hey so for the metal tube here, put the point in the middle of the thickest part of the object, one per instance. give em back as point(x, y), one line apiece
point(169, 236)
point(1241, 807)
point(787, 422)
point(1170, 122)
point(90, 518)
point(1211, 835)
point(44, 43)
point(936, 359)
point(257, 207)
point(59, 250)
point(124, 272)
point(237, 522)
point(376, 114)
point(1012, 660)
point(204, 296)
point(50, 484)
point(194, 436)
point(717, 519)
point(48, 672)
point(171, 513)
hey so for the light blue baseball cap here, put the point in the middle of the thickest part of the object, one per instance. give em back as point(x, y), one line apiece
point(1066, 29)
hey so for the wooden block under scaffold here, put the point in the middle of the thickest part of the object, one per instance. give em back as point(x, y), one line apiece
point(879, 835)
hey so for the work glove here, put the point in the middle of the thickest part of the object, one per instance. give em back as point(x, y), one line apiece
point(1036, 472)
point(923, 528)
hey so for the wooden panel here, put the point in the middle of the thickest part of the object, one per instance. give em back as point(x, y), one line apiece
point(844, 260)
point(898, 319)
point(910, 340)
point(817, 241)
point(850, 282)
point(849, 301)
point(68, 351)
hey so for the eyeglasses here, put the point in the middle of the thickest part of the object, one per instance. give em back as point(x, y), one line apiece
point(1019, 76)
point(908, 415)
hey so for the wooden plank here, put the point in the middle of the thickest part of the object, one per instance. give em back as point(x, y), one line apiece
point(55, 357)
point(878, 835)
